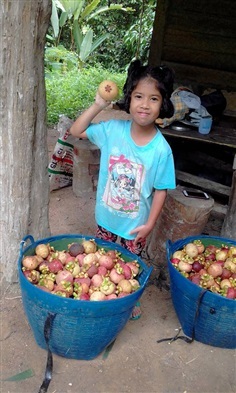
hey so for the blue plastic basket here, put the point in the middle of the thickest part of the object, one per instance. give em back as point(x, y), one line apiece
point(205, 316)
point(80, 329)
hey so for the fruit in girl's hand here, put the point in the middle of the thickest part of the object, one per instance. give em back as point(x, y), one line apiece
point(108, 90)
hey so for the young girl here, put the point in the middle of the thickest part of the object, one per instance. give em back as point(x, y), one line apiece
point(136, 165)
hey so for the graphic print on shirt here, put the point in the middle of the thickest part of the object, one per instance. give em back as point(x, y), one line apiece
point(124, 183)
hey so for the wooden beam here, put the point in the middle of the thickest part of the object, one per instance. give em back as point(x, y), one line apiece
point(234, 163)
point(220, 209)
point(158, 32)
point(189, 74)
point(208, 185)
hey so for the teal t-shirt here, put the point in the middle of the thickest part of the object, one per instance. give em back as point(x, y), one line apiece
point(128, 175)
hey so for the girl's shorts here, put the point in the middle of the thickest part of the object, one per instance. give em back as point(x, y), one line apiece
point(104, 234)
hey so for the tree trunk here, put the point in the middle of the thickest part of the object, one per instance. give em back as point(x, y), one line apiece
point(24, 184)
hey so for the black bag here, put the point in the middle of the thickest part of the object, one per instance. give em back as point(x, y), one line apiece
point(215, 103)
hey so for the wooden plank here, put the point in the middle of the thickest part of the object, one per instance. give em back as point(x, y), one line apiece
point(202, 164)
point(220, 209)
point(199, 29)
point(217, 136)
point(201, 58)
point(201, 160)
point(205, 184)
point(157, 40)
point(196, 38)
point(234, 163)
point(193, 21)
point(223, 8)
point(197, 42)
point(188, 74)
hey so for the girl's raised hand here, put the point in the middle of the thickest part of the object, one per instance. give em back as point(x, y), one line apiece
point(101, 102)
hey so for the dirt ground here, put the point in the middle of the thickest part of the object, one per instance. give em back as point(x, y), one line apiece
point(136, 363)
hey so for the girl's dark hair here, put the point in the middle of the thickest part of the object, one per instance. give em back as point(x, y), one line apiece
point(165, 80)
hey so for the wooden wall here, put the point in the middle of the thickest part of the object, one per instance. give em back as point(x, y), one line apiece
point(197, 38)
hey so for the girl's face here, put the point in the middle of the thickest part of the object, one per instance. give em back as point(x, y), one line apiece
point(146, 102)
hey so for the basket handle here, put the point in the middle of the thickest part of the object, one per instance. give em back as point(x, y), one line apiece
point(23, 242)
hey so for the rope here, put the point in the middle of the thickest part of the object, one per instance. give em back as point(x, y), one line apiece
point(188, 340)
point(49, 365)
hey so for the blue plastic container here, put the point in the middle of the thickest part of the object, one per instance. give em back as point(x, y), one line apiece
point(205, 316)
point(81, 329)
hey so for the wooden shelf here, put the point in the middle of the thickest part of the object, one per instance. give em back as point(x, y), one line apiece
point(222, 134)
point(222, 138)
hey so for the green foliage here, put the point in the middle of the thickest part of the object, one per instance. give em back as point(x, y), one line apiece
point(75, 15)
point(86, 43)
point(70, 92)
point(137, 38)
point(130, 34)
point(60, 59)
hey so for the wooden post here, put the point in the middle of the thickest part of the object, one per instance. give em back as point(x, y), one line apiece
point(157, 41)
point(229, 226)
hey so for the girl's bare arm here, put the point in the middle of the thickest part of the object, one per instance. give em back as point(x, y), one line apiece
point(156, 208)
point(80, 125)
point(157, 204)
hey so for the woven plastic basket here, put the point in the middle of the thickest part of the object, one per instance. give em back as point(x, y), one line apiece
point(80, 329)
point(205, 316)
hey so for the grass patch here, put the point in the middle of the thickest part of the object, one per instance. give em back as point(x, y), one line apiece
point(73, 91)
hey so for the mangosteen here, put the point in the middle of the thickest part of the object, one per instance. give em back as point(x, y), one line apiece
point(75, 249)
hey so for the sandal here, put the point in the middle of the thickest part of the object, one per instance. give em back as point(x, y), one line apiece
point(136, 313)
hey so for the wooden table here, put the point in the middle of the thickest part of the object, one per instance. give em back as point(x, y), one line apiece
point(223, 134)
